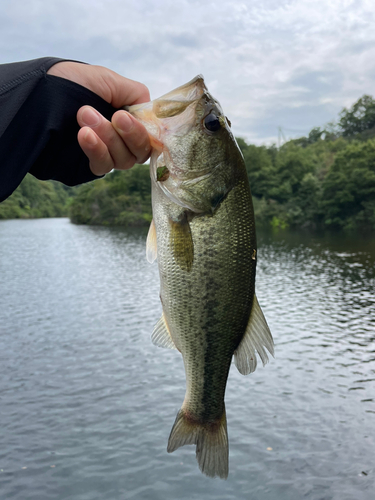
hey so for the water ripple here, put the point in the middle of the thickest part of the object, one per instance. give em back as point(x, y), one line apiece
point(87, 402)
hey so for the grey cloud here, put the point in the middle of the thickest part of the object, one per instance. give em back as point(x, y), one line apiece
point(291, 63)
point(317, 83)
point(185, 40)
point(294, 122)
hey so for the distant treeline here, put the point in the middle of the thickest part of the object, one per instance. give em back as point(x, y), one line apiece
point(120, 198)
point(34, 199)
point(324, 180)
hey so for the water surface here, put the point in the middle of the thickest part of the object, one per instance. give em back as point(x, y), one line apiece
point(87, 402)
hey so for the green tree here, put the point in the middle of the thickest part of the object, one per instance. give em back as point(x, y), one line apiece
point(348, 199)
point(315, 135)
point(34, 198)
point(359, 118)
point(259, 166)
point(292, 164)
point(120, 198)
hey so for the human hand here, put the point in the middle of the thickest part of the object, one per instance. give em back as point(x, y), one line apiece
point(108, 145)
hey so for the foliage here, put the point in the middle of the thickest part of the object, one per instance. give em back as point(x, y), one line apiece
point(120, 198)
point(34, 198)
point(259, 162)
point(359, 118)
point(323, 180)
point(323, 184)
point(348, 197)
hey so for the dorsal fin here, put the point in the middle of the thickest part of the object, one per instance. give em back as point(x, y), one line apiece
point(256, 338)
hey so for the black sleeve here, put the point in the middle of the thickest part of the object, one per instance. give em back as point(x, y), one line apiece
point(38, 125)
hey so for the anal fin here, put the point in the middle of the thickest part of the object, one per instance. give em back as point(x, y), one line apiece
point(161, 336)
point(257, 337)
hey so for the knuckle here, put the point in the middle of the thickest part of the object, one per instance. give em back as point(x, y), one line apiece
point(144, 91)
point(140, 140)
point(111, 139)
point(102, 158)
point(145, 157)
point(126, 162)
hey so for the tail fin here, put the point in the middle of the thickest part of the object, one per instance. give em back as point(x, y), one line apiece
point(211, 440)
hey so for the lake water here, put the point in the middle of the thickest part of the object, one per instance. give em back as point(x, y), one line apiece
point(87, 402)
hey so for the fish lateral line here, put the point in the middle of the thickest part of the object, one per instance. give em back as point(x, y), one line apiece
point(206, 265)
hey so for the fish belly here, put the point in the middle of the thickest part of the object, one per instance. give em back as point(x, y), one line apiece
point(207, 307)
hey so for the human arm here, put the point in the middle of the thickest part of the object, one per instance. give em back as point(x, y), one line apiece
point(108, 145)
point(38, 127)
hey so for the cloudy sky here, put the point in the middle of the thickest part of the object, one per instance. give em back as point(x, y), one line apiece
point(271, 63)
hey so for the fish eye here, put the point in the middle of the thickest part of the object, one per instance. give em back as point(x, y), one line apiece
point(212, 123)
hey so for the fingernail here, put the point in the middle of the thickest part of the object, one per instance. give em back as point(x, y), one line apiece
point(124, 123)
point(90, 117)
point(90, 138)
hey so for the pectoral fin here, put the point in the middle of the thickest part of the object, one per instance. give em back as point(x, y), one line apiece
point(182, 244)
point(161, 336)
point(256, 338)
point(151, 243)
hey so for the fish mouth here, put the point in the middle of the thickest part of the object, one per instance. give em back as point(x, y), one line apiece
point(174, 115)
point(172, 103)
point(187, 93)
point(173, 112)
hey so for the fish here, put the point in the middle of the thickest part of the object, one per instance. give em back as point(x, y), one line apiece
point(203, 237)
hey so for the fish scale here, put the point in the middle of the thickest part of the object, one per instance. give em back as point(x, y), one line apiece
point(203, 235)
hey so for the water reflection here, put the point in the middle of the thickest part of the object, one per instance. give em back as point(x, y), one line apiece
point(326, 305)
point(84, 390)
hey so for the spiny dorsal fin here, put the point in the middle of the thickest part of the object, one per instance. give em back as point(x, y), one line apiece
point(161, 336)
point(151, 243)
point(182, 244)
point(256, 338)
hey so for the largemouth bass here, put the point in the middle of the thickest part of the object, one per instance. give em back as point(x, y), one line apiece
point(203, 236)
